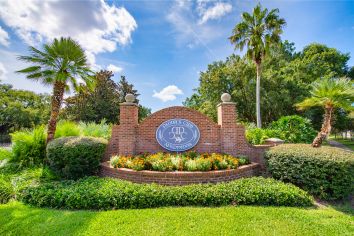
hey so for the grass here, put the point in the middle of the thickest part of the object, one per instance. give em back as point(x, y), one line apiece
point(19, 219)
point(347, 142)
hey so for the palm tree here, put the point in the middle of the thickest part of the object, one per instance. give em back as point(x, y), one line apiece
point(258, 32)
point(329, 94)
point(61, 64)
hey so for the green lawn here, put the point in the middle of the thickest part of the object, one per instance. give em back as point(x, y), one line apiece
point(18, 219)
point(347, 142)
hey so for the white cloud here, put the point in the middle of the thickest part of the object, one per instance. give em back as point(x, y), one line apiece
point(218, 10)
point(186, 18)
point(168, 93)
point(4, 37)
point(114, 68)
point(96, 25)
point(3, 72)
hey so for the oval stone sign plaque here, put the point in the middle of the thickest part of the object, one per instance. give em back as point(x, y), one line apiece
point(177, 135)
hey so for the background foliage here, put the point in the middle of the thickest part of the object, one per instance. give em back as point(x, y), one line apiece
point(21, 109)
point(101, 103)
point(286, 78)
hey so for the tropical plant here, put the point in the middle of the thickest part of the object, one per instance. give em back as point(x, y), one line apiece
point(328, 94)
point(60, 64)
point(258, 32)
point(28, 147)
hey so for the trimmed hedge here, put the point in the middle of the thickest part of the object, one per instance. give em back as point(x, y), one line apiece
point(107, 193)
point(75, 157)
point(326, 172)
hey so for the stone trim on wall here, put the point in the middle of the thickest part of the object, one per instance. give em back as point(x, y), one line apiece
point(180, 177)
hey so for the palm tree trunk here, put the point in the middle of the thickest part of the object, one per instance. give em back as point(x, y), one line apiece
point(57, 99)
point(258, 95)
point(326, 128)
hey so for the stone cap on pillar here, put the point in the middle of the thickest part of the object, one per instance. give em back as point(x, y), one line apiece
point(226, 99)
point(129, 100)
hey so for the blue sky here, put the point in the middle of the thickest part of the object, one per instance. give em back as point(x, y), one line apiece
point(160, 46)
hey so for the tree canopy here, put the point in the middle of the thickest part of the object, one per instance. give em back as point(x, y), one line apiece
point(22, 109)
point(102, 102)
point(287, 77)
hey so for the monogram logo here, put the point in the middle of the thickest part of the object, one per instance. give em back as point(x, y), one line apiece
point(177, 135)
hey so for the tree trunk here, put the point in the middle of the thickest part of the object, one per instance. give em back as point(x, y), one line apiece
point(258, 95)
point(57, 99)
point(326, 128)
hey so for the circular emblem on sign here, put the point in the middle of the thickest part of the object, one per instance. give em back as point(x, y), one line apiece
point(177, 135)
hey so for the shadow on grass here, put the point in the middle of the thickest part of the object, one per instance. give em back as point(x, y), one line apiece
point(345, 206)
point(19, 219)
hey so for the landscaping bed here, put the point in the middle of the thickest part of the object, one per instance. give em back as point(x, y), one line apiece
point(187, 161)
point(179, 177)
point(179, 168)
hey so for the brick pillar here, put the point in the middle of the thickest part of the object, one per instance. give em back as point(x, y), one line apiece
point(128, 122)
point(227, 121)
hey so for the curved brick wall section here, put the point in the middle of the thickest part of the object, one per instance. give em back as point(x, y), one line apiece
point(179, 177)
point(209, 131)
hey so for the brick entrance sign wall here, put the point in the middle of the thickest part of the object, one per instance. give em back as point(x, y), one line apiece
point(131, 137)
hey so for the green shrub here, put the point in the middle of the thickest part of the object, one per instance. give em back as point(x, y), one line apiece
point(6, 190)
point(257, 136)
point(107, 193)
point(92, 129)
point(75, 157)
point(14, 179)
point(28, 147)
point(5, 154)
point(325, 172)
point(67, 128)
point(294, 129)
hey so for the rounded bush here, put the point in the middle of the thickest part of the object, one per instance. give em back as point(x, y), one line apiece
point(326, 172)
point(294, 129)
point(75, 157)
point(107, 193)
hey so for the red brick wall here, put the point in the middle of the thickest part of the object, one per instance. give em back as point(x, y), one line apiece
point(209, 131)
point(227, 136)
point(179, 177)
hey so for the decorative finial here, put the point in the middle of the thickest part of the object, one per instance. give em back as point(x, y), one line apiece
point(225, 97)
point(130, 98)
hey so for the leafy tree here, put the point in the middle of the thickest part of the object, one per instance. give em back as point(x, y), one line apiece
point(102, 103)
point(318, 61)
point(60, 64)
point(95, 105)
point(329, 94)
point(285, 81)
point(234, 75)
point(21, 109)
point(258, 32)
